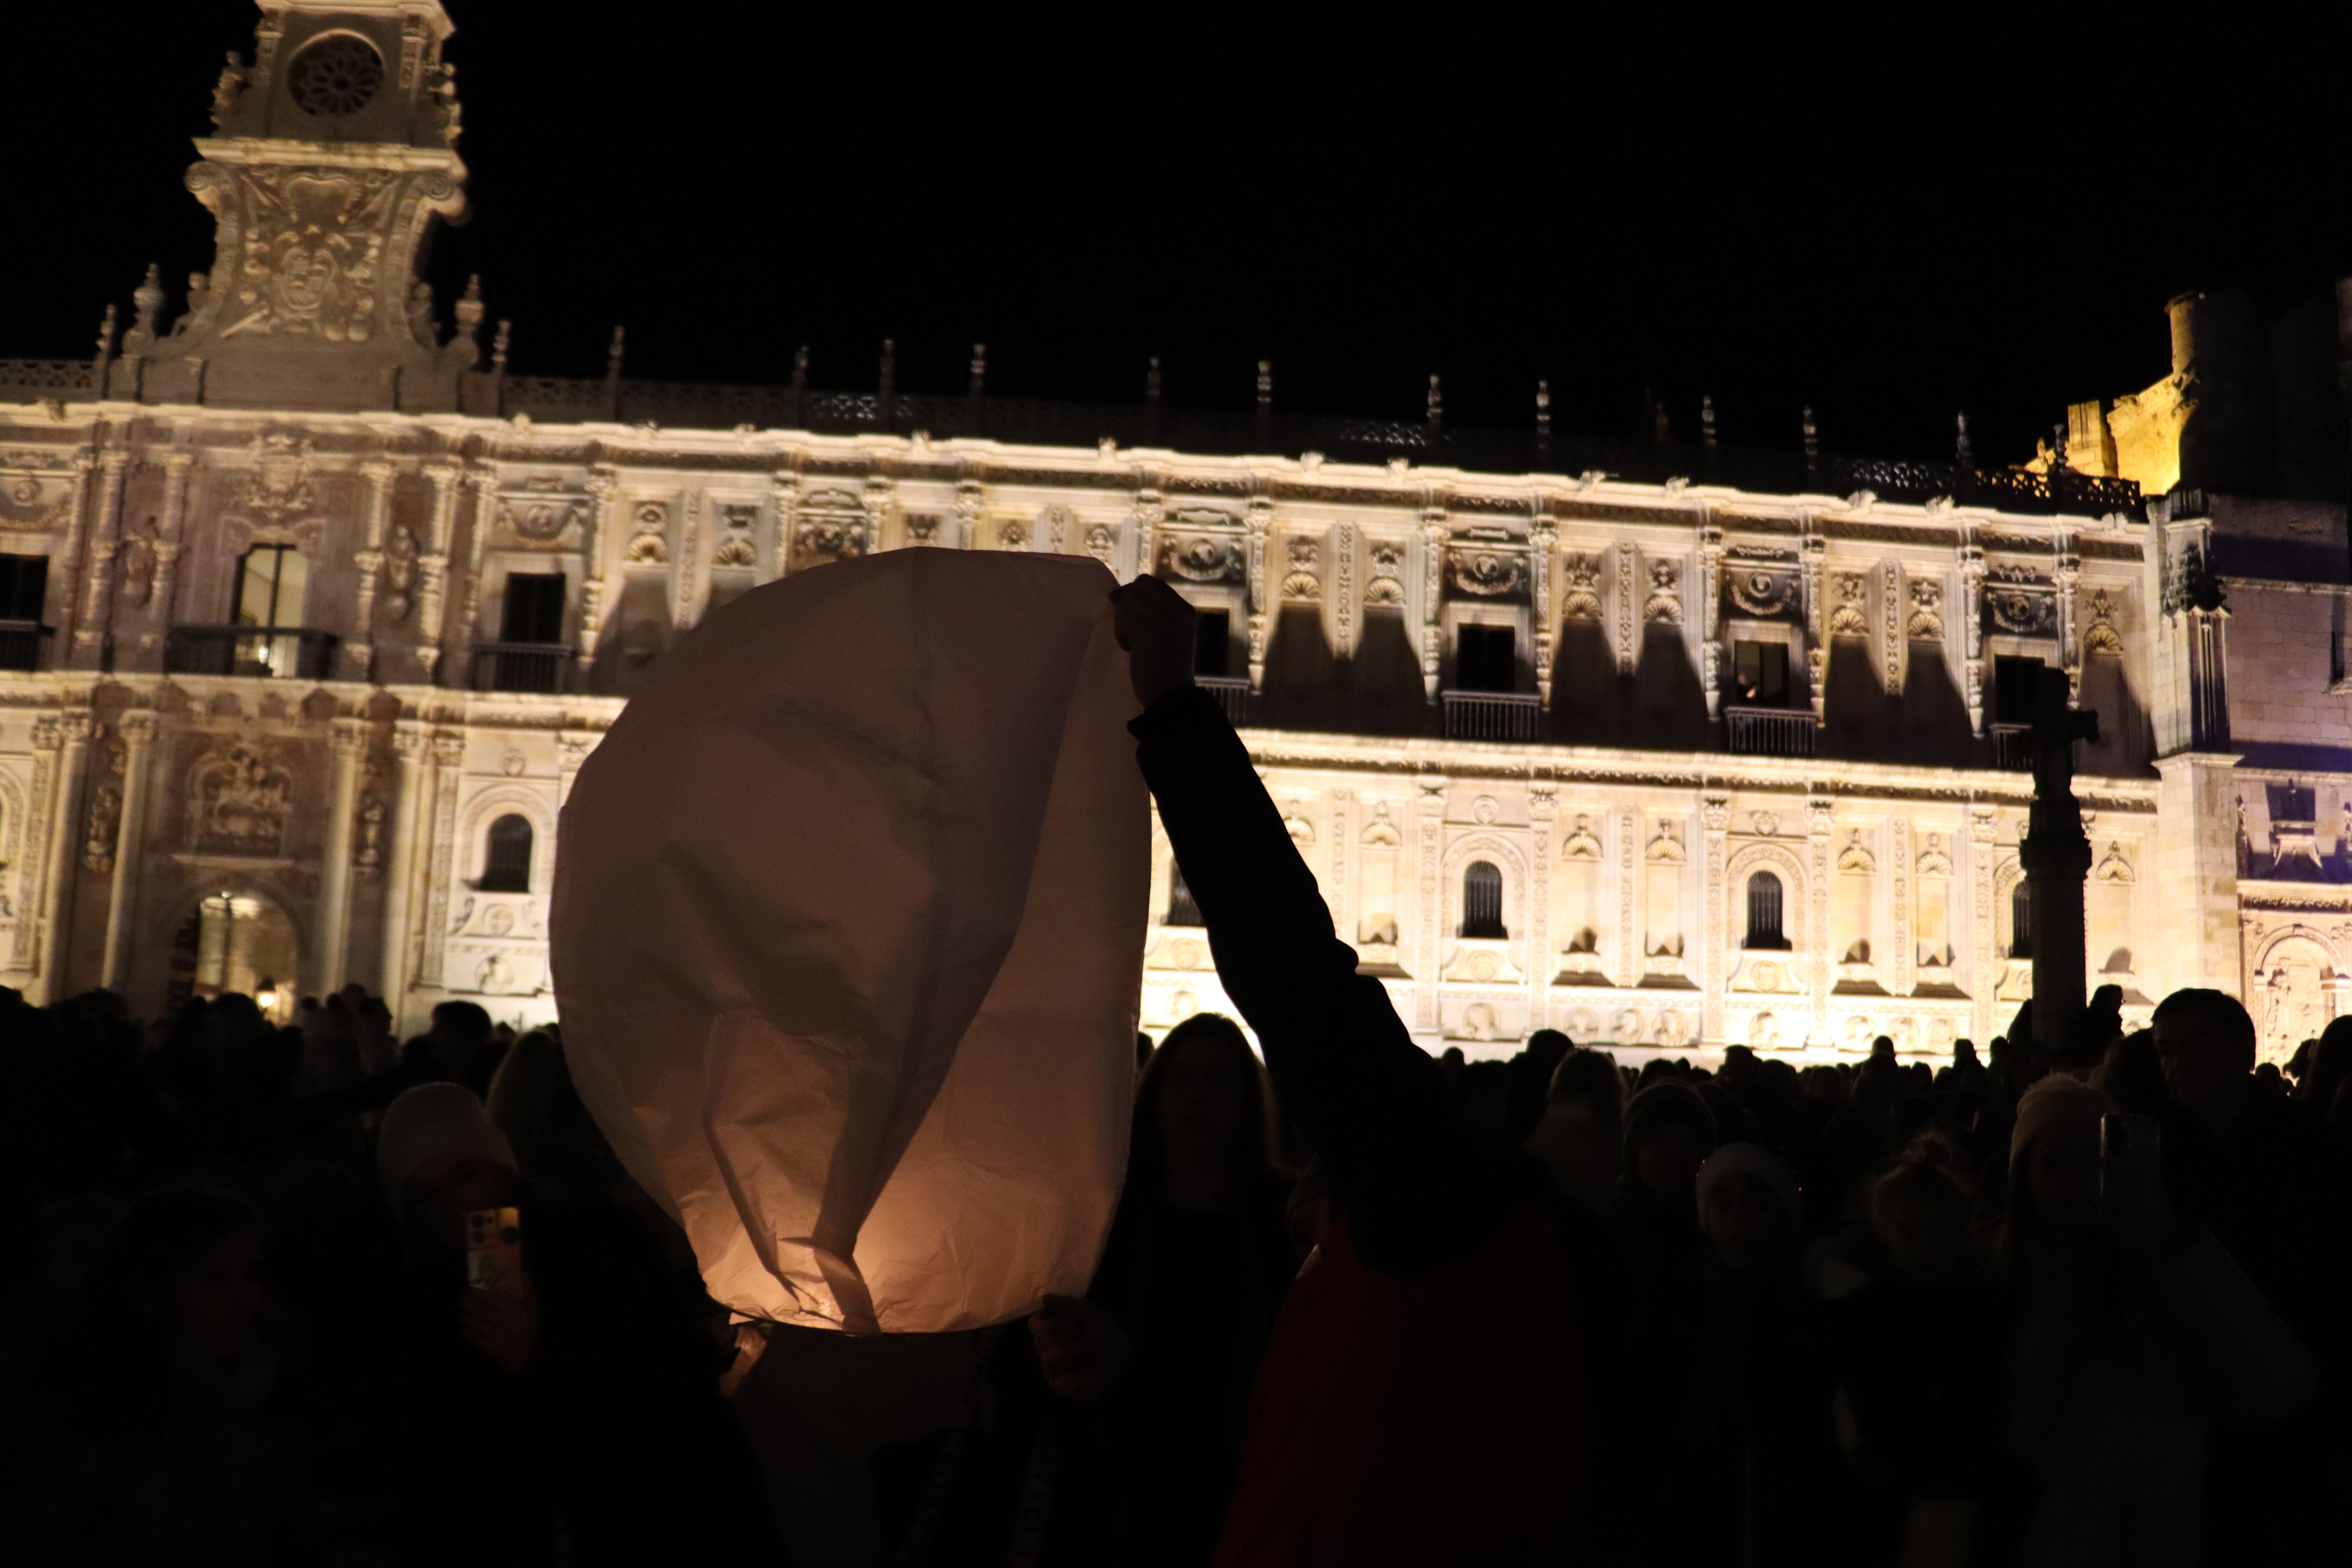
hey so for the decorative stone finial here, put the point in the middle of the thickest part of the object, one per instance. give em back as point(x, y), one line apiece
point(498, 345)
point(146, 302)
point(1964, 451)
point(979, 369)
point(1151, 381)
point(1265, 384)
point(1543, 408)
point(1436, 401)
point(800, 369)
point(1706, 421)
point(613, 372)
point(1812, 440)
point(228, 88)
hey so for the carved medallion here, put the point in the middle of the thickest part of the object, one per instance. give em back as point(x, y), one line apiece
point(1203, 559)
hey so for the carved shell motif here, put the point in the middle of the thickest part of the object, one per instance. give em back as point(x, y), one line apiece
point(2100, 636)
point(1926, 623)
point(1664, 604)
point(1306, 556)
point(649, 545)
point(1847, 620)
point(1580, 577)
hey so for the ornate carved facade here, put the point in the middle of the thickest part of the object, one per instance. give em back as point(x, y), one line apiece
point(1666, 764)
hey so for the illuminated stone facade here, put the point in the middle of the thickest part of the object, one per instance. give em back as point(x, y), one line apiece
point(1667, 764)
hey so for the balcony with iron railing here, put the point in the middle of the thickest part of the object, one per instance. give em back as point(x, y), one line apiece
point(1492, 715)
point(1232, 694)
point(2012, 748)
point(520, 667)
point(1770, 732)
point(287, 653)
point(20, 644)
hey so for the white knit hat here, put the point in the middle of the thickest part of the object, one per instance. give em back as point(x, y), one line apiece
point(1755, 1160)
point(430, 1120)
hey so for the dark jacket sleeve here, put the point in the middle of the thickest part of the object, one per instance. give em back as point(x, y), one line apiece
point(1418, 1183)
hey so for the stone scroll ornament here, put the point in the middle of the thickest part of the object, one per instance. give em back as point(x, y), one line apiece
point(847, 916)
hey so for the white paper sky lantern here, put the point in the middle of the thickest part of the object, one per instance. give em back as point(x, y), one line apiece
point(846, 931)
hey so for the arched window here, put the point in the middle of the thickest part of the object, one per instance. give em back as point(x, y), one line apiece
point(1182, 910)
point(1764, 912)
point(2020, 921)
point(1482, 901)
point(506, 867)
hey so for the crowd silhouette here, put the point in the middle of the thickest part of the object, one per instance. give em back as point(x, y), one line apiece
point(2079, 1301)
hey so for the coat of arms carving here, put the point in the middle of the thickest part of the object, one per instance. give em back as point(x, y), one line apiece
point(239, 801)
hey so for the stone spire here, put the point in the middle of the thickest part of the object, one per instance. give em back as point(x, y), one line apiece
point(333, 153)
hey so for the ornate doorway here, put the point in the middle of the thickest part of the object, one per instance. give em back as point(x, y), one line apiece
point(237, 941)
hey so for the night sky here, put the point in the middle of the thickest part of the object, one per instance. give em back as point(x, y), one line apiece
point(1798, 207)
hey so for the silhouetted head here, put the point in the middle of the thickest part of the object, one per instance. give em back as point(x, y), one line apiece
point(1748, 1206)
point(1203, 1100)
point(1669, 1132)
point(2205, 1040)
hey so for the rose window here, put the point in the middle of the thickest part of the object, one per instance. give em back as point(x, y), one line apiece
point(336, 76)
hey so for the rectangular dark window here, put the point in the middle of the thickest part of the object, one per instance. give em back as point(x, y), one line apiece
point(2013, 682)
point(1759, 674)
point(1486, 659)
point(1213, 641)
point(24, 584)
point(534, 608)
point(269, 584)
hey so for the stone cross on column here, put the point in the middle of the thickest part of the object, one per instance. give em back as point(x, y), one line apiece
point(2056, 854)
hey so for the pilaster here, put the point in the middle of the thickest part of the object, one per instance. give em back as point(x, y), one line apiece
point(604, 485)
point(1543, 538)
point(783, 506)
point(1629, 892)
point(1259, 523)
point(97, 577)
point(1819, 820)
point(137, 730)
point(1812, 553)
point(482, 483)
point(64, 584)
point(68, 736)
point(1430, 807)
point(331, 959)
point(1969, 612)
point(2197, 870)
point(1710, 631)
point(1435, 533)
point(433, 565)
point(1984, 960)
point(448, 761)
point(359, 649)
point(411, 765)
point(1543, 809)
point(178, 469)
point(1715, 818)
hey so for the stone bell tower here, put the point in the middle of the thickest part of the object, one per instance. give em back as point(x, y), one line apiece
point(333, 154)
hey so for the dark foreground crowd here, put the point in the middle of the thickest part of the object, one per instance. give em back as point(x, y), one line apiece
point(1545, 1311)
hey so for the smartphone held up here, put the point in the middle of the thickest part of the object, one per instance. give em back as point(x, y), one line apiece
point(494, 1249)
